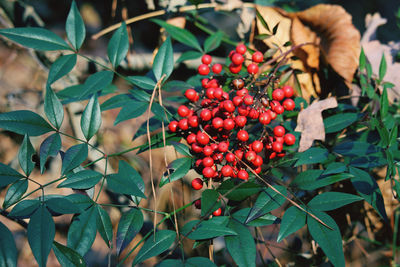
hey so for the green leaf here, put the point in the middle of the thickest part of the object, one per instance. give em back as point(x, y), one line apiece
point(80, 201)
point(15, 192)
point(8, 249)
point(115, 102)
point(177, 169)
point(312, 155)
point(213, 41)
point(130, 110)
point(50, 147)
point(82, 231)
point(209, 201)
point(41, 232)
point(314, 179)
point(197, 230)
point(163, 63)
point(62, 205)
point(181, 35)
point(340, 121)
point(73, 157)
point(67, 256)
point(62, 66)
point(263, 22)
point(241, 246)
point(142, 82)
point(241, 191)
point(332, 200)
point(156, 244)
point(24, 122)
point(129, 225)
point(127, 170)
point(384, 103)
point(36, 38)
point(191, 262)
point(188, 55)
point(96, 82)
point(267, 201)
point(362, 59)
point(53, 108)
point(181, 148)
point(292, 220)
point(355, 148)
point(369, 190)
point(24, 209)
point(75, 27)
point(26, 151)
point(335, 167)
point(118, 45)
point(91, 118)
point(81, 180)
point(382, 68)
point(329, 240)
point(266, 219)
point(8, 175)
point(104, 226)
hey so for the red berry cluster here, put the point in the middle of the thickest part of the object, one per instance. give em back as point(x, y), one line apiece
point(214, 122)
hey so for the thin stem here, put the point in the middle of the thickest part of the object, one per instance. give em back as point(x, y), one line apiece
point(103, 180)
point(130, 206)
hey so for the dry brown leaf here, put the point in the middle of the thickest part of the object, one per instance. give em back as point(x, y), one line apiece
point(311, 124)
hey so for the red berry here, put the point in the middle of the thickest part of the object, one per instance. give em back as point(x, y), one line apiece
point(210, 93)
point(223, 147)
point(288, 104)
point(248, 100)
point(289, 139)
point(217, 68)
point(278, 94)
point(243, 136)
point(241, 121)
point(217, 212)
point(205, 115)
point(257, 161)
point(202, 138)
point(277, 147)
point(225, 95)
point(264, 118)
point(207, 151)
point(237, 101)
point(234, 68)
point(279, 109)
point(257, 146)
point(241, 49)
point(253, 114)
point(197, 184)
point(279, 131)
point(191, 94)
point(217, 123)
point(243, 110)
point(242, 174)
point(206, 59)
point(271, 114)
point(250, 155)
point(227, 171)
point(196, 148)
point(214, 146)
point(237, 59)
point(229, 124)
point(239, 154)
point(191, 138)
point(288, 91)
point(273, 155)
point(183, 111)
point(208, 172)
point(229, 106)
point(203, 69)
point(208, 162)
point(204, 82)
point(172, 126)
point(218, 157)
point(183, 124)
point(230, 157)
point(252, 68)
point(242, 92)
point(279, 139)
point(218, 93)
point(257, 57)
point(193, 121)
point(197, 204)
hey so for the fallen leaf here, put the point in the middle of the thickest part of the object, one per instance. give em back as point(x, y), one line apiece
point(310, 122)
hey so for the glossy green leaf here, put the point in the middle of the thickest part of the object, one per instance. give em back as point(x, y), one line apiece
point(81, 180)
point(24, 209)
point(80, 201)
point(177, 169)
point(82, 231)
point(368, 189)
point(36, 38)
point(24, 122)
point(362, 60)
point(197, 230)
point(129, 225)
point(262, 21)
point(49, 148)
point(293, 219)
point(118, 45)
point(25, 153)
point(332, 200)
point(142, 82)
point(96, 82)
point(238, 192)
point(8, 249)
point(73, 157)
point(62, 205)
point(8, 175)
point(355, 148)
point(91, 118)
point(75, 27)
point(312, 155)
point(191, 262)
point(67, 256)
point(329, 240)
point(104, 226)
point(53, 108)
point(213, 41)
point(181, 35)
point(209, 201)
point(335, 167)
point(182, 148)
point(41, 232)
point(338, 122)
point(241, 246)
point(163, 63)
point(62, 66)
point(384, 101)
point(116, 101)
point(267, 201)
point(314, 179)
point(127, 170)
point(156, 244)
point(382, 68)
point(188, 55)
point(130, 110)
point(264, 220)
point(15, 192)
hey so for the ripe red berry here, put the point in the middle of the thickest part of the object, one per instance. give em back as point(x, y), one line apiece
point(239, 153)
point(206, 59)
point(264, 118)
point(257, 146)
point(183, 111)
point(204, 82)
point(237, 101)
point(252, 68)
point(217, 212)
point(241, 121)
point(207, 151)
point(217, 122)
point(288, 104)
point(172, 126)
point(227, 171)
point(278, 94)
point(248, 100)
point(191, 138)
point(257, 161)
point(250, 155)
point(217, 68)
point(197, 184)
point(279, 109)
point(191, 94)
point(214, 146)
point(208, 172)
point(279, 131)
point(206, 115)
point(193, 121)
point(210, 93)
point(196, 148)
point(272, 114)
point(253, 114)
point(230, 157)
point(183, 124)
point(243, 136)
point(243, 110)
point(202, 138)
point(279, 139)
point(242, 174)
point(197, 204)
point(242, 92)
point(241, 49)
point(237, 59)
point(223, 147)
point(229, 124)
point(288, 91)
point(218, 93)
point(289, 139)
point(203, 69)
point(277, 147)
point(234, 68)
point(208, 162)
point(229, 106)
point(257, 57)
